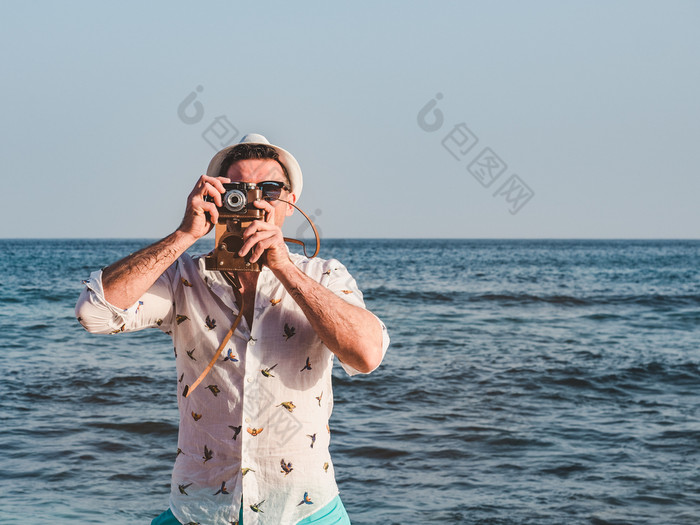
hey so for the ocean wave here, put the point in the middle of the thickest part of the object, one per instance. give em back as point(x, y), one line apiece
point(375, 452)
point(650, 378)
point(564, 300)
point(155, 428)
point(396, 294)
point(520, 299)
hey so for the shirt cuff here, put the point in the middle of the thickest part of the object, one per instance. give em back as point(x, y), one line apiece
point(95, 313)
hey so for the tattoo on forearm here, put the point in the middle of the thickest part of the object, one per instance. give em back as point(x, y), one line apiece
point(143, 261)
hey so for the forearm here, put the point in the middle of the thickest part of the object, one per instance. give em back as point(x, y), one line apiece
point(350, 332)
point(128, 279)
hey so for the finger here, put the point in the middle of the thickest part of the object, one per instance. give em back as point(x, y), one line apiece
point(213, 192)
point(200, 186)
point(251, 241)
point(250, 230)
point(217, 182)
point(210, 208)
point(255, 227)
point(261, 248)
point(269, 209)
point(255, 240)
point(257, 253)
point(263, 205)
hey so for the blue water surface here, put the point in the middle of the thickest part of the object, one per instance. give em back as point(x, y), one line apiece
point(528, 382)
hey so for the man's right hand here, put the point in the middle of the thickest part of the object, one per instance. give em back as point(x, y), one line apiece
point(195, 222)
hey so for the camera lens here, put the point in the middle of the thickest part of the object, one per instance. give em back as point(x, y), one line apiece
point(234, 200)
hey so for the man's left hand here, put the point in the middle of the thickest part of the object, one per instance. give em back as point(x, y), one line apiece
point(264, 239)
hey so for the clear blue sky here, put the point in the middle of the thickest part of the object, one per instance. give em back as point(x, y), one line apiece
point(592, 104)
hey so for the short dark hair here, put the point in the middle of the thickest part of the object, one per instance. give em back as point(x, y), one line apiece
point(251, 151)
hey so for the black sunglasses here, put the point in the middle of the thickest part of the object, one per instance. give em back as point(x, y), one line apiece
point(272, 189)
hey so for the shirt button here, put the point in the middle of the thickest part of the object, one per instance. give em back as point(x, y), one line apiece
point(247, 420)
point(252, 342)
point(250, 379)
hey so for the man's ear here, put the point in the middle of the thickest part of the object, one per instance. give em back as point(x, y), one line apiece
point(293, 199)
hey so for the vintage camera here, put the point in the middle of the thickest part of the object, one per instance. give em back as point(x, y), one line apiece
point(236, 213)
point(237, 201)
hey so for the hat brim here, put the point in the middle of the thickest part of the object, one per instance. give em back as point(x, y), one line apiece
point(296, 180)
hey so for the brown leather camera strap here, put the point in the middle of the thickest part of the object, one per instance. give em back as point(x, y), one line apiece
point(235, 283)
point(313, 227)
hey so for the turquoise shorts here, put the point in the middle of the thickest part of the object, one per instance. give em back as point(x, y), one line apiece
point(332, 514)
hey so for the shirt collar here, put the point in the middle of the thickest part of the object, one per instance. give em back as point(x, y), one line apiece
point(221, 287)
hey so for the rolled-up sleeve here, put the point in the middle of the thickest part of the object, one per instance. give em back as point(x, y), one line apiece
point(338, 280)
point(98, 316)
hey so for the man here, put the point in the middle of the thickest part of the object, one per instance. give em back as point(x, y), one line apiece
point(253, 438)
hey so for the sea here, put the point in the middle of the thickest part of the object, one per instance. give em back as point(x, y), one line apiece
point(527, 382)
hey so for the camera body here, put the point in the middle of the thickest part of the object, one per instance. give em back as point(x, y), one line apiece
point(237, 201)
point(236, 213)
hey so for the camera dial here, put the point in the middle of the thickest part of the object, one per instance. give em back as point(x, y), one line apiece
point(234, 200)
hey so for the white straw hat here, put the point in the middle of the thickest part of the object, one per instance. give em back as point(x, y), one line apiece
point(287, 159)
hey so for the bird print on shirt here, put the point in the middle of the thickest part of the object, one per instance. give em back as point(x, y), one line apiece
point(123, 327)
point(181, 318)
point(307, 366)
point(196, 416)
point(230, 356)
point(189, 354)
point(313, 438)
point(236, 430)
point(289, 331)
point(245, 471)
point(318, 397)
point(266, 371)
point(208, 454)
point(214, 390)
point(254, 431)
point(306, 500)
point(182, 489)
point(211, 323)
point(286, 467)
point(222, 490)
point(288, 405)
point(185, 282)
point(274, 302)
point(256, 507)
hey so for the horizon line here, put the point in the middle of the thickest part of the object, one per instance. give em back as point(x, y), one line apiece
point(311, 239)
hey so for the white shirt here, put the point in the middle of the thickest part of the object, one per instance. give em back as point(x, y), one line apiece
point(257, 425)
